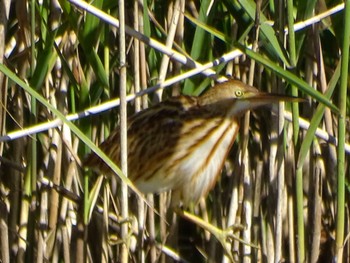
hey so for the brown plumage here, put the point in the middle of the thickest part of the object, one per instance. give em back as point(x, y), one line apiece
point(181, 144)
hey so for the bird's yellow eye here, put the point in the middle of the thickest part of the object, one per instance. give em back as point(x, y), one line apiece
point(238, 93)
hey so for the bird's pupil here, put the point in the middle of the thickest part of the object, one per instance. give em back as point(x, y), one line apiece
point(239, 93)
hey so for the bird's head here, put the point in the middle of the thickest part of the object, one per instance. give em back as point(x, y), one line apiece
point(239, 97)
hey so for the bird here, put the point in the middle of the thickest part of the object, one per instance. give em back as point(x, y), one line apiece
point(181, 144)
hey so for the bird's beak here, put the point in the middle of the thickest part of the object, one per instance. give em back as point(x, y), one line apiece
point(262, 99)
point(265, 98)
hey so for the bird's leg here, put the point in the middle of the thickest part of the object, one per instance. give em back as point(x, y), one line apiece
point(222, 235)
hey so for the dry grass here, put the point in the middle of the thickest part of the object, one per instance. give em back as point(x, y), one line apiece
point(285, 181)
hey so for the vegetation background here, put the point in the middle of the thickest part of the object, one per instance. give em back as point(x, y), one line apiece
point(285, 180)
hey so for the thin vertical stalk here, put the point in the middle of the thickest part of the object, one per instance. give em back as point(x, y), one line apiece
point(341, 136)
point(295, 114)
point(169, 43)
point(151, 227)
point(30, 175)
point(136, 57)
point(106, 52)
point(137, 84)
point(143, 62)
point(123, 129)
point(4, 236)
point(300, 219)
point(291, 222)
point(278, 163)
point(33, 101)
point(82, 223)
point(293, 62)
point(247, 180)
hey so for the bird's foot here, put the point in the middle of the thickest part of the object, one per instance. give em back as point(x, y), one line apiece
point(224, 236)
